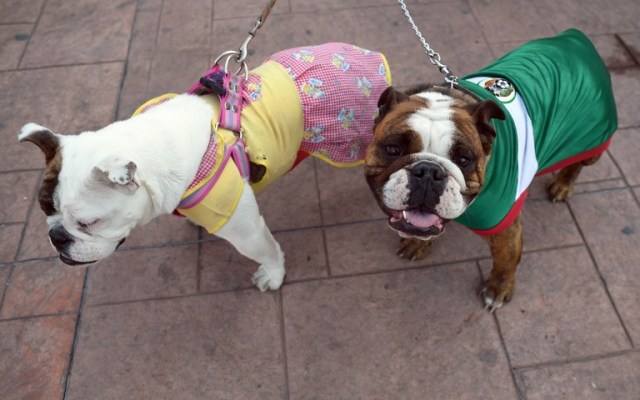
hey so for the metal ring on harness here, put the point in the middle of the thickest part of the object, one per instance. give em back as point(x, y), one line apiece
point(229, 55)
point(239, 134)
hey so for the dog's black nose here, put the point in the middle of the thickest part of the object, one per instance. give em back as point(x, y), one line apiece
point(429, 171)
point(60, 238)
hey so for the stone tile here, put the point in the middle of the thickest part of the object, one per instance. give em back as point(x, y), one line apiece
point(139, 62)
point(13, 39)
point(331, 5)
point(134, 88)
point(559, 310)
point(35, 243)
point(606, 378)
point(292, 202)
point(519, 20)
point(17, 191)
point(409, 332)
point(610, 222)
point(612, 51)
point(624, 149)
point(345, 195)
point(588, 187)
point(604, 169)
point(247, 8)
point(223, 346)
point(74, 111)
point(546, 224)
point(143, 274)
point(35, 357)
point(13, 11)
point(5, 271)
point(185, 25)
point(371, 246)
point(176, 71)
point(223, 268)
point(626, 83)
point(163, 230)
point(632, 42)
point(149, 5)
point(81, 32)
point(592, 17)
point(457, 36)
point(10, 239)
point(43, 287)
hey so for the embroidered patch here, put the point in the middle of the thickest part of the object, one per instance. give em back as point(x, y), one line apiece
point(501, 88)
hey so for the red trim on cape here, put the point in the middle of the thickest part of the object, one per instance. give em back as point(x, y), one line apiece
point(517, 206)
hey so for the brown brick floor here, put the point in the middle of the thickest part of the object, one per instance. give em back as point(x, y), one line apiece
point(172, 315)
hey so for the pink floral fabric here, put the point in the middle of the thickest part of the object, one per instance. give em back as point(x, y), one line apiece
point(339, 86)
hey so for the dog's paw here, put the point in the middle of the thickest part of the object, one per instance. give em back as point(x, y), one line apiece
point(495, 295)
point(268, 277)
point(559, 190)
point(414, 249)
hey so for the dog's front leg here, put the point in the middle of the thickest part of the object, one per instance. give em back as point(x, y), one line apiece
point(506, 250)
point(248, 233)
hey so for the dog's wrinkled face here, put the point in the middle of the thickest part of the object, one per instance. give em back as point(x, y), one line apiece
point(428, 157)
point(90, 199)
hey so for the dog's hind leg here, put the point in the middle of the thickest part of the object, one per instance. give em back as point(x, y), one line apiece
point(561, 186)
point(249, 234)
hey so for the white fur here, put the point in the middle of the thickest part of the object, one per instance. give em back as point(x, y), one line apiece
point(165, 145)
point(395, 191)
point(434, 125)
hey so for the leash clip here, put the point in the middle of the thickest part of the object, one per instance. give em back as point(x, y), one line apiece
point(243, 51)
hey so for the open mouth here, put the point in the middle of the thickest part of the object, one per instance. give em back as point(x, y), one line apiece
point(69, 261)
point(416, 222)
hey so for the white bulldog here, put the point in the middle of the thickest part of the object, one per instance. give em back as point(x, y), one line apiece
point(98, 186)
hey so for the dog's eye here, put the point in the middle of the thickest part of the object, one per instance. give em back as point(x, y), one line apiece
point(463, 162)
point(393, 150)
point(86, 224)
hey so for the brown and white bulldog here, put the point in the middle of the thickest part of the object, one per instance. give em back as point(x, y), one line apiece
point(437, 150)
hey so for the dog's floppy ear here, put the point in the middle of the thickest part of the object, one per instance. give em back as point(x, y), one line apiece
point(117, 173)
point(48, 141)
point(482, 114)
point(388, 100)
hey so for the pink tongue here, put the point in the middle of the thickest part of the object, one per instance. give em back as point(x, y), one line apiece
point(421, 219)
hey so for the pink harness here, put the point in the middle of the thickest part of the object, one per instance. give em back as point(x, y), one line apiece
point(229, 89)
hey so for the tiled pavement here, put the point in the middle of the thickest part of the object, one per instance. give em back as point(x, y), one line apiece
point(173, 315)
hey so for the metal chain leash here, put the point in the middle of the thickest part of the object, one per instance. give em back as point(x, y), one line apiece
point(449, 76)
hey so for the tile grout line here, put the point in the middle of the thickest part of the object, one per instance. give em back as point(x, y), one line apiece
point(626, 48)
point(283, 338)
point(199, 261)
point(603, 281)
point(53, 66)
point(588, 358)
point(330, 11)
point(48, 315)
point(125, 67)
point(624, 178)
point(324, 278)
point(6, 286)
point(35, 24)
point(519, 389)
point(484, 36)
point(74, 344)
point(28, 217)
point(322, 226)
point(205, 241)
